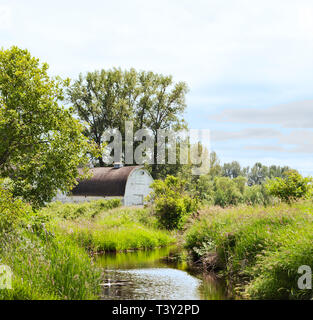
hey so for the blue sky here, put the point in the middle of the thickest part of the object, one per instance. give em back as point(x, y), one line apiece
point(248, 63)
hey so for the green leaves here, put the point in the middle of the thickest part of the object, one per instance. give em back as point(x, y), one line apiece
point(172, 205)
point(290, 188)
point(107, 98)
point(41, 143)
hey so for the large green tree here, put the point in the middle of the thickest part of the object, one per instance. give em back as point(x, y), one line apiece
point(41, 144)
point(102, 100)
point(105, 99)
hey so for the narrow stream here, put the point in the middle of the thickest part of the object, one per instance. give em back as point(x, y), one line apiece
point(155, 275)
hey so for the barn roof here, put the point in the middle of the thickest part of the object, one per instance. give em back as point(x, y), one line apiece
point(106, 181)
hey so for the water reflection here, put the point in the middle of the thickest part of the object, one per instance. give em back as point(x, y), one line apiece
point(156, 274)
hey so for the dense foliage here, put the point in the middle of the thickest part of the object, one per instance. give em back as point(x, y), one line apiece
point(172, 205)
point(42, 145)
point(106, 99)
point(290, 188)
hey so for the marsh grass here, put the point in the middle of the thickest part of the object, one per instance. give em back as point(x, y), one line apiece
point(259, 248)
point(116, 230)
point(49, 251)
point(52, 267)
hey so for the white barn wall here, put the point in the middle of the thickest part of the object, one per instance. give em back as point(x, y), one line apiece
point(137, 187)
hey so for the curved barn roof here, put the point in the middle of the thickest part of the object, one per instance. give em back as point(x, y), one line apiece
point(107, 181)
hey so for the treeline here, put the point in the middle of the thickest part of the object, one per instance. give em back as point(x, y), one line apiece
point(230, 184)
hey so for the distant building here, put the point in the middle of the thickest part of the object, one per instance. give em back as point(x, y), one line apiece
point(131, 184)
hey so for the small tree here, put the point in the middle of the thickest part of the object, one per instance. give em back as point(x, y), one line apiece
point(172, 204)
point(290, 188)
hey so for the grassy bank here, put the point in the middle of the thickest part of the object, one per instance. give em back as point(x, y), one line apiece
point(45, 265)
point(259, 249)
point(48, 251)
point(110, 228)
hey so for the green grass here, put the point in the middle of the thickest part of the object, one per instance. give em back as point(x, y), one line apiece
point(48, 251)
point(116, 230)
point(72, 211)
point(259, 248)
point(47, 266)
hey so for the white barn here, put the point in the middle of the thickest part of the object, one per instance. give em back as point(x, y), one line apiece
point(131, 184)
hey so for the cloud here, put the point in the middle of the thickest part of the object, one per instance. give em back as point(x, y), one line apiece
point(295, 141)
point(204, 42)
point(291, 115)
point(249, 133)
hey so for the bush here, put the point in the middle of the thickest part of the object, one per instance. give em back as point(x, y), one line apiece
point(12, 212)
point(257, 195)
point(172, 204)
point(203, 188)
point(290, 188)
point(227, 191)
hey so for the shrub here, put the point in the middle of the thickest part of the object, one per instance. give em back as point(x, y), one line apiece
point(12, 211)
point(257, 195)
point(290, 188)
point(172, 204)
point(203, 188)
point(227, 192)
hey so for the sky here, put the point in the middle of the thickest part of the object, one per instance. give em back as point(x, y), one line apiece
point(248, 64)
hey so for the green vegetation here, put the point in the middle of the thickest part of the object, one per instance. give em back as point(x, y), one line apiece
point(48, 251)
point(118, 229)
point(258, 248)
point(258, 242)
point(172, 205)
point(41, 144)
point(107, 98)
point(45, 265)
point(290, 188)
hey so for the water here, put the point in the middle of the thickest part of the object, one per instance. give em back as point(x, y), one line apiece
point(158, 274)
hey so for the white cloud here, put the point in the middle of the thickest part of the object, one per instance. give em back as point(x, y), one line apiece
point(292, 115)
point(249, 133)
point(202, 42)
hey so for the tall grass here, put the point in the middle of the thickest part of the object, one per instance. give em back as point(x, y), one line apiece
point(47, 250)
point(116, 230)
point(260, 249)
point(45, 265)
point(52, 269)
point(72, 211)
